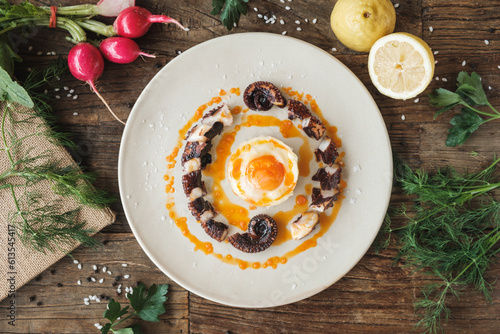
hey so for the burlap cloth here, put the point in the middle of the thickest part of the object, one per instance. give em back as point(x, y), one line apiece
point(28, 263)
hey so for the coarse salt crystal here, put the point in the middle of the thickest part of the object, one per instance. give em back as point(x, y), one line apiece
point(437, 78)
point(435, 62)
point(283, 33)
point(255, 9)
point(282, 21)
point(93, 279)
point(101, 280)
point(66, 87)
point(314, 21)
point(282, 1)
point(463, 63)
point(299, 28)
point(259, 16)
point(126, 276)
point(403, 117)
point(75, 114)
point(297, 22)
point(71, 91)
point(431, 29)
point(287, 7)
point(436, 52)
point(75, 97)
point(79, 266)
point(124, 265)
point(30, 48)
point(39, 53)
point(444, 79)
point(75, 261)
point(86, 303)
point(53, 53)
point(69, 95)
point(79, 282)
point(56, 90)
point(58, 97)
point(334, 49)
point(306, 20)
point(396, 5)
point(94, 267)
point(104, 269)
point(85, 299)
point(489, 87)
point(352, 201)
point(109, 272)
point(416, 100)
point(265, 17)
point(486, 42)
point(49, 53)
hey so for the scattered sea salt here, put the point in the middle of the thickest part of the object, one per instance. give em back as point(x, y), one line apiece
point(94, 267)
point(282, 21)
point(109, 272)
point(65, 87)
point(79, 266)
point(79, 282)
point(486, 42)
point(306, 20)
point(416, 100)
point(75, 97)
point(93, 279)
point(299, 28)
point(396, 5)
point(283, 33)
point(69, 95)
point(463, 63)
point(56, 90)
point(75, 261)
point(71, 91)
point(444, 79)
point(437, 78)
point(489, 87)
point(104, 269)
point(435, 62)
point(39, 53)
point(259, 16)
point(287, 7)
point(352, 201)
point(126, 276)
point(356, 168)
point(124, 265)
point(75, 114)
point(314, 21)
point(431, 29)
point(30, 48)
point(403, 117)
point(255, 9)
point(334, 49)
point(297, 22)
point(436, 52)
point(86, 303)
point(101, 280)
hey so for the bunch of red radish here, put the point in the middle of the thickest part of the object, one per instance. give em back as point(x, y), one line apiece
point(86, 62)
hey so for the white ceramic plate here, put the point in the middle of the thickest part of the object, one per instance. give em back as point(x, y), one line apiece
point(189, 81)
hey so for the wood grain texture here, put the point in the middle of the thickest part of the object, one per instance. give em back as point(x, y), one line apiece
point(375, 296)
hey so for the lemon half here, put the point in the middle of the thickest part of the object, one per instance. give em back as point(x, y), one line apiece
point(401, 65)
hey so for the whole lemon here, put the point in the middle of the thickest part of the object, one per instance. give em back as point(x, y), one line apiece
point(359, 23)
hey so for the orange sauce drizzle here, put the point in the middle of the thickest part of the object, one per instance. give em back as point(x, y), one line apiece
point(238, 215)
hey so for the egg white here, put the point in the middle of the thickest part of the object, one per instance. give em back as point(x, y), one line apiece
point(252, 149)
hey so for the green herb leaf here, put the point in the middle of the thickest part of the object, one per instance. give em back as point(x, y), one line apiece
point(106, 328)
point(444, 98)
point(7, 55)
point(463, 125)
point(12, 91)
point(472, 87)
point(114, 310)
point(230, 11)
point(149, 305)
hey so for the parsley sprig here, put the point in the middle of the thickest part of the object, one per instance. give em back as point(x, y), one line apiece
point(147, 305)
point(230, 11)
point(470, 93)
point(451, 233)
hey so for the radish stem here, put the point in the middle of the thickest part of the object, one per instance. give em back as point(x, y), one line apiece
point(92, 85)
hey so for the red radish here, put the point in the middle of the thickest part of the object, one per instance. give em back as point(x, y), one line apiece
point(134, 22)
point(121, 50)
point(86, 64)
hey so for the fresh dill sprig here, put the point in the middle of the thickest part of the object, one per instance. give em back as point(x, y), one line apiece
point(451, 229)
point(42, 223)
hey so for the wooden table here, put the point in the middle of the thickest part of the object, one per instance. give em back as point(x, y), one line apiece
point(375, 296)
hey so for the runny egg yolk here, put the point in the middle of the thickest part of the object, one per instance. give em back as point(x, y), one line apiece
point(265, 172)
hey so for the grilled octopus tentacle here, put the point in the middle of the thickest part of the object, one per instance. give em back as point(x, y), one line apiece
point(262, 95)
point(261, 233)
